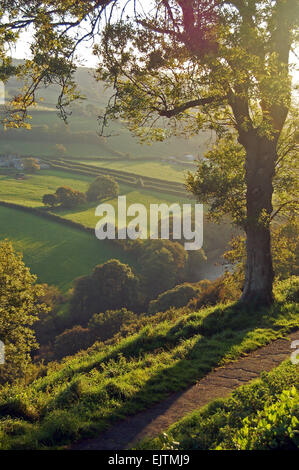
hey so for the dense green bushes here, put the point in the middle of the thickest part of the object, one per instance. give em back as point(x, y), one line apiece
point(101, 326)
point(179, 296)
point(111, 286)
point(276, 426)
point(223, 289)
point(102, 187)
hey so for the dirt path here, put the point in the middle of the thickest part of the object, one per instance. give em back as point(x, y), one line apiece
point(217, 384)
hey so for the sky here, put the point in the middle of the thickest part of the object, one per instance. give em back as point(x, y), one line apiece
point(87, 59)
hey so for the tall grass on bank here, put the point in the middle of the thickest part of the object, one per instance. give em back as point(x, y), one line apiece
point(86, 393)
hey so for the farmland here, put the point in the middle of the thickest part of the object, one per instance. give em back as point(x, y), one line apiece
point(49, 247)
point(153, 168)
point(29, 192)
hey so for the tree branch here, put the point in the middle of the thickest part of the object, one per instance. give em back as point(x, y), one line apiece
point(190, 104)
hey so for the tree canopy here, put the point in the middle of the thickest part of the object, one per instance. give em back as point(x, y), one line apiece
point(20, 307)
point(177, 67)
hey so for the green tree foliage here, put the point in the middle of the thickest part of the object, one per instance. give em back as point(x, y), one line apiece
point(103, 187)
point(162, 265)
point(105, 325)
point(50, 200)
point(177, 297)
point(182, 67)
point(70, 198)
point(66, 197)
point(285, 249)
point(111, 286)
point(71, 341)
point(20, 308)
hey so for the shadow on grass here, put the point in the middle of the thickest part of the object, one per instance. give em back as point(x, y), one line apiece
point(219, 332)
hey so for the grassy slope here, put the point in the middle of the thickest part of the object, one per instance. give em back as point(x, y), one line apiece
point(89, 391)
point(49, 247)
point(220, 424)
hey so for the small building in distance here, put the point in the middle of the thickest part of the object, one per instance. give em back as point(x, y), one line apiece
point(11, 161)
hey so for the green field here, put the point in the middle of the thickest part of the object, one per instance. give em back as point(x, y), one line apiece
point(49, 247)
point(152, 168)
point(29, 192)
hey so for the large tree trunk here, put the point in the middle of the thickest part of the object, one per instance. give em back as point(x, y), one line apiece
point(260, 167)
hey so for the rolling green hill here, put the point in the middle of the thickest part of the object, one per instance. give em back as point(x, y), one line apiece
point(86, 393)
point(80, 138)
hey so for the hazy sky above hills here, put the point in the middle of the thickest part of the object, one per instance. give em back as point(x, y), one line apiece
point(87, 59)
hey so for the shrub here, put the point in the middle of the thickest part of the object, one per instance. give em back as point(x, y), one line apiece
point(71, 341)
point(18, 408)
point(102, 326)
point(50, 200)
point(111, 286)
point(69, 198)
point(214, 292)
point(179, 296)
point(274, 427)
point(59, 427)
point(105, 325)
point(102, 188)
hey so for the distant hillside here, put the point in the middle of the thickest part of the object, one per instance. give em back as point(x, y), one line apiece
point(49, 136)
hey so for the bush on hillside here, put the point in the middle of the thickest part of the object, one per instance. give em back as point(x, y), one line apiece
point(162, 264)
point(101, 327)
point(177, 297)
point(274, 427)
point(111, 286)
point(105, 325)
point(213, 292)
point(71, 341)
